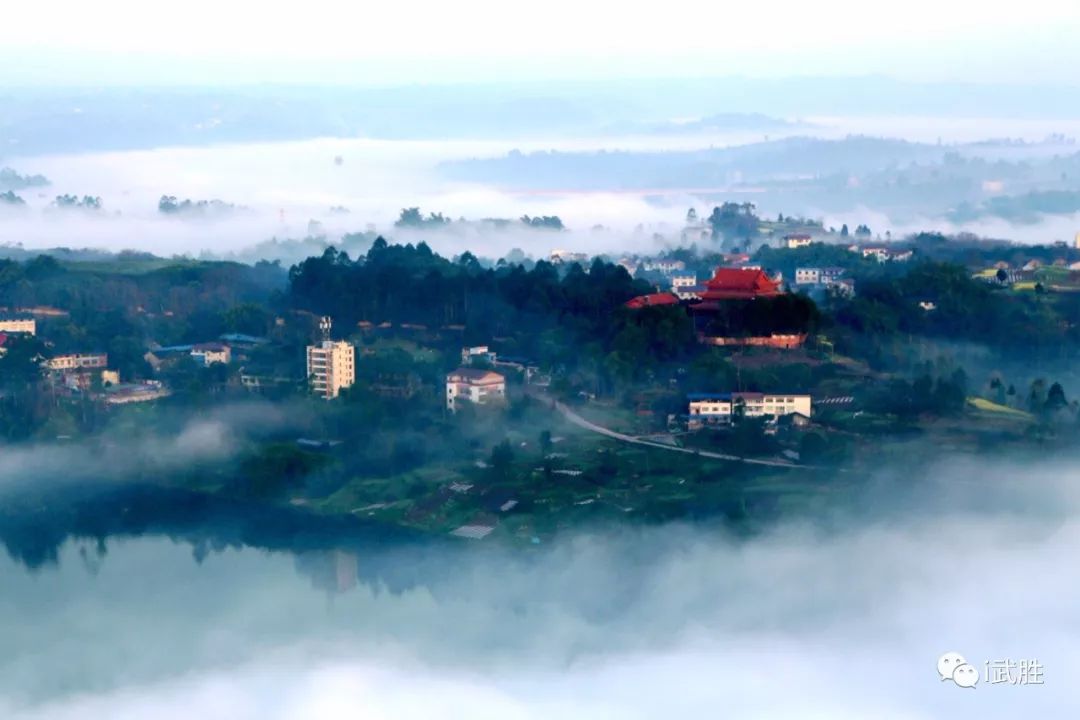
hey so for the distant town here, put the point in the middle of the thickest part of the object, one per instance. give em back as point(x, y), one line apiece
point(471, 397)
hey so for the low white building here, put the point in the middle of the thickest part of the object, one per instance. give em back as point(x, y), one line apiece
point(476, 386)
point(807, 276)
point(206, 354)
point(23, 325)
point(77, 361)
point(722, 407)
point(667, 267)
point(797, 240)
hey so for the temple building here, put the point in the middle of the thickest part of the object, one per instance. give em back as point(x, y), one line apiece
point(745, 307)
point(739, 284)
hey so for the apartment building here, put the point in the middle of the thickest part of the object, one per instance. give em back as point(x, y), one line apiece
point(77, 361)
point(331, 366)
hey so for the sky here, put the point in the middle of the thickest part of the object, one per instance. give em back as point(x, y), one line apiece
point(431, 41)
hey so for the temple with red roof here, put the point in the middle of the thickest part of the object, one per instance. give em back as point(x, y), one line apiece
point(739, 284)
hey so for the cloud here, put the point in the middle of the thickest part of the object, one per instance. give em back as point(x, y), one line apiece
point(842, 617)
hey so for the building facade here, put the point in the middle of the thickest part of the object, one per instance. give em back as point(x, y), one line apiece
point(476, 386)
point(78, 361)
point(723, 407)
point(331, 366)
point(207, 354)
point(27, 326)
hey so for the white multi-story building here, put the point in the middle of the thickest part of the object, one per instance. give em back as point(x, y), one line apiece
point(331, 366)
point(797, 240)
point(18, 325)
point(807, 276)
point(480, 387)
point(722, 407)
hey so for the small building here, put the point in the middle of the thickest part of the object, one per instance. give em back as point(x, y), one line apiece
point(16, 324)
point(207, 354)
point(797, 240)
point(665, 267)
point(723, 407)
point(807, 276)
point(331, 367)
point(681, 282)
point(77, 361)
point(476, 386)
point(478, 354)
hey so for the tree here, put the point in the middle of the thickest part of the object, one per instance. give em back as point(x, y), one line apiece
point(502, 460)
point(1055, 398)
point(545, 441)
point(844, 230)
point(691, 216)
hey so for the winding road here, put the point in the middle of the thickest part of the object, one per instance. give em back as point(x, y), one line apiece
point(576, 419)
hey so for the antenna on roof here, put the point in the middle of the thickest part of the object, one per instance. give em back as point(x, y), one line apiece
point(325, 323)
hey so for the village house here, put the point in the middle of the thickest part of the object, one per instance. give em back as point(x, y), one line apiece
point(207, 354)
point(479, 354)
point(797, 240)
point(18, 324)
point(77, 361)
point(666, 267)
point(684, 286)
point(476, 386)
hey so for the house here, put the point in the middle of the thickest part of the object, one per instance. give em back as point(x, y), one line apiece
point(331, 367)
point(807, 276)
point(18, 324)
point(844, 287)
point(478, 354)
point(680, 282)
point(723, 407)
point(797, 240)
point(207, 354)
point(666, 267)
point(878, 253)
point(927, 305)
point(653, 299)
point(476, 386)
point(77, 361)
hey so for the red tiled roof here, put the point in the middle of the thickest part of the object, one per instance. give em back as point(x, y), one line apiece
point(664, 298)
point(728, 283)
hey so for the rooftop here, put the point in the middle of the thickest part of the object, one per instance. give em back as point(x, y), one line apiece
point(641, 301)
point(475, 376)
